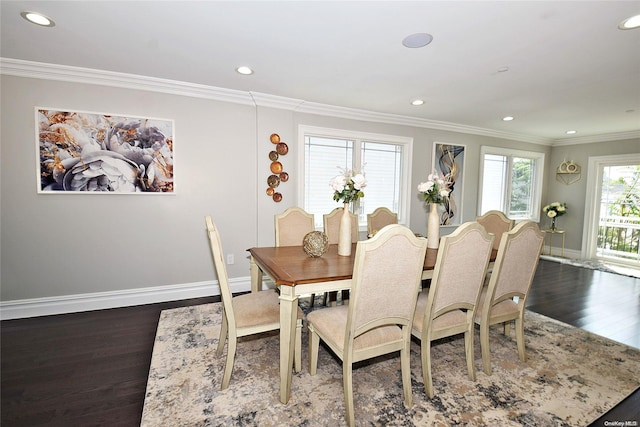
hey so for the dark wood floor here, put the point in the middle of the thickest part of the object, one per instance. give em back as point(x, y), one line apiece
point(90, 369)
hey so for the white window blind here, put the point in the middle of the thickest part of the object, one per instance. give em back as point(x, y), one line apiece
point(386, 161)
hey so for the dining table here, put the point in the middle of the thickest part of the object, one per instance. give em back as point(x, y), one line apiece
point(297, 274)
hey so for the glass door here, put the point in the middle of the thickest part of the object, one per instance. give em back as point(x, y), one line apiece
point(616, 223)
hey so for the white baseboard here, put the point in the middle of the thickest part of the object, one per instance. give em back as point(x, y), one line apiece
point(556, 252)
point(18, 309)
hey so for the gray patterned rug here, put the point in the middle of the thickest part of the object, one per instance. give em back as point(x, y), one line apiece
point(595, 264)
point(570, 378)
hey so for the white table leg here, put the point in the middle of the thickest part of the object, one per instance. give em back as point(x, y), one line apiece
point(256, 276)
point(288, 318)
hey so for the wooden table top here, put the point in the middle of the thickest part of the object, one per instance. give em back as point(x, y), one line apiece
point(290, 265)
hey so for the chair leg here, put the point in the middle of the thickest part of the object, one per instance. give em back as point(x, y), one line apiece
point(507, 327)
point(228, 365)
point(223, 334)
point(484, 345)
point(347, 380)
point(314, 344)
point(345, 297)
point(297, 361)
point(331, 298)
point(425, 351)
point(520, 338)
point(405, 365)
point(468, 348)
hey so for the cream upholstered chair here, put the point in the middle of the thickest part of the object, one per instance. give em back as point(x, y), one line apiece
point(292, 225)
point(379, 218)
point(505, 297)
point(332, 230)
point(332, 225)
point(373, 324)
point(449, 306)
point(246, 314)
point(496, 223)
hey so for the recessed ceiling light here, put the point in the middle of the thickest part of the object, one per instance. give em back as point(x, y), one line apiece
point(507, 119)
point(630, 23)
point(417, 102)
point(572, 132)
point(38, 18)
point(244, 70)
point(417, 40)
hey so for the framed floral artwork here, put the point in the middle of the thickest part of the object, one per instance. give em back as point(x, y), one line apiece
point(448, 159)
point(85, 152)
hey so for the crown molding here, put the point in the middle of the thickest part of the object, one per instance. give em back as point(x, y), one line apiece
point(66, 73)
point(40, 70)
point(372, 116)
point(619, 136)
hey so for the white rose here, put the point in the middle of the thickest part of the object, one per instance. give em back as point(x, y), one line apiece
point(338, 183)
point(359, 181)
point(551, 214)
point(444, 193)
point(425, 187)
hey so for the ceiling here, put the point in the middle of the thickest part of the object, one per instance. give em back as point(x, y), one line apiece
point(569, 66)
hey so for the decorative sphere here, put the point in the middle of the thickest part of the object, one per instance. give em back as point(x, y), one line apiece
point(315, 243)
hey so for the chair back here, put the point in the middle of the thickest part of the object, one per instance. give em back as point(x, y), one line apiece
point(461, 266)
point(380, 217)
point(221, 270)
point(292, 225)
point(496, 223)
point(332, 225)
point(386, 278)
point(515, 264)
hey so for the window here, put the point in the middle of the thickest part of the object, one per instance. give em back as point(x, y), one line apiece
point(511, 182)
point(387, 166)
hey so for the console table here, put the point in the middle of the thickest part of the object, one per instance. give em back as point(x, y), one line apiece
point(552, 233)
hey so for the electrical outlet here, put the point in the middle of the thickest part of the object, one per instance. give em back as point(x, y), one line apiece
point(230, 259)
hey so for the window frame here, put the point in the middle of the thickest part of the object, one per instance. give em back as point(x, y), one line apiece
point(538, 180)
point(358, 137)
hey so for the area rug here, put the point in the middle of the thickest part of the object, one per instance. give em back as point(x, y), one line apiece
point(595, 264)
point(569, 379)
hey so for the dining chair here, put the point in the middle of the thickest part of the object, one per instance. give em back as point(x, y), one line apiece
point(331, 223)
point(449, 305)
point(496, 223)
point(506, 295)
point(292, 225)
point(373, 324)
point(246, 314)
point(379, 218)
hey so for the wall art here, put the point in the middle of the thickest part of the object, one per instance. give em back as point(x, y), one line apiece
point(278, 175)
point(448, 159)
point(86, 152)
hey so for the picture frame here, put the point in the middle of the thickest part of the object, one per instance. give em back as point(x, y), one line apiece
point(82, 152)
point(448, 160)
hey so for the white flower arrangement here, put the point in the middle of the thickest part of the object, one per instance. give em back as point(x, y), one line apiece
point(348, 186)
point(555, 209)
point(435, 189)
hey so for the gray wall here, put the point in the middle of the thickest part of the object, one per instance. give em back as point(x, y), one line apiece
point(575, 194)
point(67, 244)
